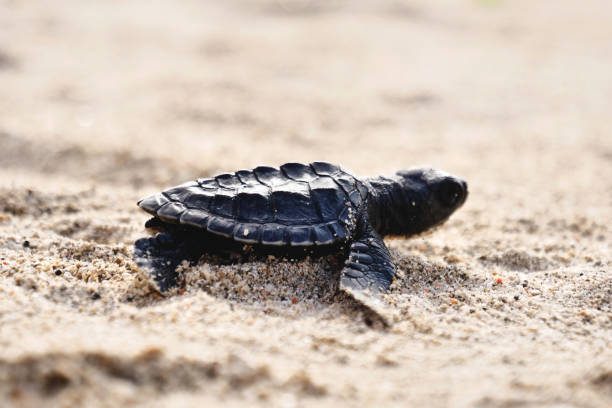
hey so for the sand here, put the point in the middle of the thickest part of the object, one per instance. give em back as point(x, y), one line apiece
point(507, 305)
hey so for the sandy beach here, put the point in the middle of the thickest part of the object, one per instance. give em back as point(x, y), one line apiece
point(508, 304)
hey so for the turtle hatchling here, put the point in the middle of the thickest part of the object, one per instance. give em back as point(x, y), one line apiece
point(317, 205)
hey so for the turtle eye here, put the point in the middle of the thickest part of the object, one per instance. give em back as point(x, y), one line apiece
point(450, 193)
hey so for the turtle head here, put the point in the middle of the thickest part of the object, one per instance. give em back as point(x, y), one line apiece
point(428, 197)
point(414, 200)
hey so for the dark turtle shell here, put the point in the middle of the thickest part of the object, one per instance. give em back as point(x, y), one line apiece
point(295, 205)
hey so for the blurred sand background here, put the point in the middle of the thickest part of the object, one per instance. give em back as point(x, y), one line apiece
point(507, 305)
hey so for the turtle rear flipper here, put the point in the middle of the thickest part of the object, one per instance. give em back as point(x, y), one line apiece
point(161, 254)
point(369, 271)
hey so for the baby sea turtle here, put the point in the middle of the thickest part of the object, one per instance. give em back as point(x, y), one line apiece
point(317, 205)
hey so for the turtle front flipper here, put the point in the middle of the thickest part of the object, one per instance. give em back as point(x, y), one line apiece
point(369, 271)
point(369, 266)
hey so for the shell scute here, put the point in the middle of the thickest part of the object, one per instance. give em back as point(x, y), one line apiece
point(269, 176)
point(208, 183)
point(329, 197)
point(300, 236)
point(223, 204)
point(183, 193)
point(228, 180)
point(247, 177)
point(221, 226)
point(171, 211)
point(195, 218)
point(345, 182)
point(153, 203)
point(298, 171)
point(322, 235)
point(292, 204)
point(259, 189)
point(273, 234)
point(253, 205)
point(338, 231)
point(325, 169)
point(248, 233)
point(199, 199)
point(350, 187)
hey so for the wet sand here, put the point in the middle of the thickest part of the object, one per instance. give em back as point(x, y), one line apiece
point(507, 305)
